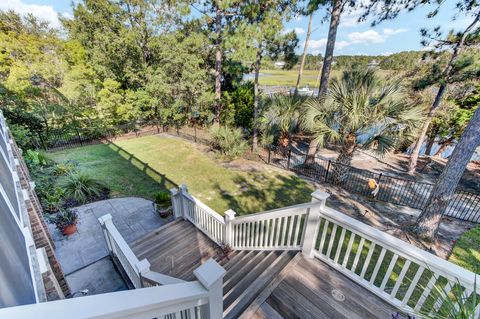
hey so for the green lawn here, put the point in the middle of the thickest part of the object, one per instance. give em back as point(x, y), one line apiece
point(217, 186)
point(466, 251)
point(289, 77)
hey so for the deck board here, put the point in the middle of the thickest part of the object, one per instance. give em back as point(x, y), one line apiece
point(306, 292)
point(177, 251)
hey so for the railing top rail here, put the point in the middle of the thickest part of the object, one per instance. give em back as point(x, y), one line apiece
point(199, 203)
point(278, 212)
point(136, 303)
point(126, 250)
point(406, 250)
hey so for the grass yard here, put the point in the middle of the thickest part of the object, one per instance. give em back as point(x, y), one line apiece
point(466, 251)
point(289, 77)
point(219, 187)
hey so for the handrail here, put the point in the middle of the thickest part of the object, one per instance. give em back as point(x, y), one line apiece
point(199, 203)
point(160, 302)
point(277, 212)
point(406, 250)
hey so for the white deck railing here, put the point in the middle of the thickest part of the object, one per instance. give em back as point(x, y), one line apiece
point(405, 276)
point(189, 300)
point(279, 229)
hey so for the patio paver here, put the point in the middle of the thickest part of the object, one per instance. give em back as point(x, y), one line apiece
point(133, 217)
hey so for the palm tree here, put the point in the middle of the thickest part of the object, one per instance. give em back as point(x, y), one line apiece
point(281, 117)
point(360, 111)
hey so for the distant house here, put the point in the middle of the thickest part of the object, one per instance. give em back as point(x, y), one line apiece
point(373, 64)
point(279, 64)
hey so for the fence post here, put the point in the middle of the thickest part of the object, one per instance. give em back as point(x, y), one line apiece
point(288, 160)
point(328, 169)
point(312, 223)
point(210, 275)
point(269, 154)
point(229, 217)
point(195, 132)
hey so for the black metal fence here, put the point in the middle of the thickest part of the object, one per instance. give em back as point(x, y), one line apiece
point(406, 192)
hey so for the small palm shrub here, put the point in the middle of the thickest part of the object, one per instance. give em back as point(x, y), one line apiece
point(83, 188)
point(228, 141)
point(162, 198)
point(65, 167)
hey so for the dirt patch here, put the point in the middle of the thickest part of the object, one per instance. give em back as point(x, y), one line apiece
point(394, 220)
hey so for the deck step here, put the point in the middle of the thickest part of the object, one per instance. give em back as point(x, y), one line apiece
point(266, 312)
point(255, 274)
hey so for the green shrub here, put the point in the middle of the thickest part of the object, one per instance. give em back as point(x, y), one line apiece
point(162, 198)
point(229, 141)
point(34, 158)
point(65, 168)
point(83, 188)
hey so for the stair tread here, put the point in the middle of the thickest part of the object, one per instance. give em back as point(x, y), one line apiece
point(240, 297)
point(266, 312)
point(246, 264)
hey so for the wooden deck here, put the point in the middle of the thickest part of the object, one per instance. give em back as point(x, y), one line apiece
point(176, 249)
point(302, 290)
point(306, 292)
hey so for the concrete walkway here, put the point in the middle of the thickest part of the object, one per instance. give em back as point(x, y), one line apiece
point(133, 217)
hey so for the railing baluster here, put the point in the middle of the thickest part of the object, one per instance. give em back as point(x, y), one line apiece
point(297, 229)
point(332, 240)
point(349, 248)
point(277, 235)
point(290, 231)
point(399, 281)
point(358, 254)
point(272, 230)
point(340, 244)
point(389, 272)
point(412, 286)
point(426, 293)
point(377, 266)
point(367, 260)
point(324, 234)
point(284, 231)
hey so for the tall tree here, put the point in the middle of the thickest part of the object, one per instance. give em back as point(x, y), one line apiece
point(261, 35)
point(427, 223)
point(304, 55)
point(456, 69)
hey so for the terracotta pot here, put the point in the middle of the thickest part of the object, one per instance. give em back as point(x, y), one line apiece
point(70, 229)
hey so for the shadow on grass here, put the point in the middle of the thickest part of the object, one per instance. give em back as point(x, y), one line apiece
point(262, 192)
point(148, 172)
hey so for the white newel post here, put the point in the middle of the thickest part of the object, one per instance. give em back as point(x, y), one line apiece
point(183, 203)
point(142, 267)
point(177, 212)
point(210, 275)
point(104, 220)
point(229, 217)
point(313, 221)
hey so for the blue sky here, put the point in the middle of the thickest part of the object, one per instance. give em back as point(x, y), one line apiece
point(397, 35)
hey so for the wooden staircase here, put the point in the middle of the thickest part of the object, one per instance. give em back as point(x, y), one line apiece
point(176, 249)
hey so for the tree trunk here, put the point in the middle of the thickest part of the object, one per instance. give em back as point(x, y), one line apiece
point(218, 65)
point(447, 74)
point(344, 159)
point(443, 147)
point(332, 35)
point(430, 142)
point(429, 220)
point(312, 151)
point(305, 48)
point(256, 99)
point(412, 165)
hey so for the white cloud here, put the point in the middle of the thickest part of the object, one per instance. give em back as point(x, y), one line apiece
point(318, 46)
point(297, 31)
point(44, 12)
point(366, 37)
point(388, 32)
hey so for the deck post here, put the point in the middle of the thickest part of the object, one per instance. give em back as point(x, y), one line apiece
point(229, 217)
point(210, 275)
point(142, 267)
point(103, 222)
point(313, 221)
point(183, 193)
point(176, 204)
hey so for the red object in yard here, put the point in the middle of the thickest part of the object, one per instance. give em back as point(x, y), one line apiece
point(69, 229)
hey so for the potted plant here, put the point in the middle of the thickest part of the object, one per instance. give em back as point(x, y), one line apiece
point(162, 204)
point(66, 221)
